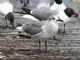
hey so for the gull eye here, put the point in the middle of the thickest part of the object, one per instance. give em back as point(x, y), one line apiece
point(53, 18)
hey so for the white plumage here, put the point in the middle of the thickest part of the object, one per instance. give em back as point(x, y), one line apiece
point(63, 17)
point(43, 5)
point(49, 29)
point(30, 17)
point(6, 10)
point(58, 7)
point(6, 7)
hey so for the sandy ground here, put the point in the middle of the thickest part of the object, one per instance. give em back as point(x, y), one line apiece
point(66, 47)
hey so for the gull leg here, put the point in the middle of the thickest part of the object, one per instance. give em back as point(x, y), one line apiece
point(39, 46)
point(12, 25)
point(64, 29)
point(46, 46)
point(6, 23)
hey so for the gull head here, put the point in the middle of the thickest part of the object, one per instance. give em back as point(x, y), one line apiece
point(55, 18)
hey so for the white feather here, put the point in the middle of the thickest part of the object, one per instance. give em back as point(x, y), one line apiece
point(5, 8)
point(43, 5)
point(62, 16)
point(19, 28)
point(30, 17)
point(49, 29)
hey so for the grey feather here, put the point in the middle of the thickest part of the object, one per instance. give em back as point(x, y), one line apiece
point(32, 28)
point(42, 14)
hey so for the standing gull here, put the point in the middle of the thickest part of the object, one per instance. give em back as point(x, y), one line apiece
point(66, 15)
point(6, 9)
point(41, 29)
point(63, 10)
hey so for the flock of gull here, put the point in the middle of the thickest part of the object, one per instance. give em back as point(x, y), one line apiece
point(46, 18)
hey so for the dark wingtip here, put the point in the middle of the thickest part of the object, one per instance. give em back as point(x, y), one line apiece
point(27, 10)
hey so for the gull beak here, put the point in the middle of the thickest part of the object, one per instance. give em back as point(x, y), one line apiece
point(75, 14)
point(60, 20)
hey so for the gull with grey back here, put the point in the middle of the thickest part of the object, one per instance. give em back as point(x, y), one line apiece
point(41, 12)
point(41, 29)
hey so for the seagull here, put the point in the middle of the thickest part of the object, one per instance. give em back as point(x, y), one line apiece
point(41, 13)
point(41, 29)
point(66, 15)
point(6, 9)
point(63, 10)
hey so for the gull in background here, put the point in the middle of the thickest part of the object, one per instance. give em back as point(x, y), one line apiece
point(6, 9)
point(64, 12)
point(65, 16)
point(41, 12)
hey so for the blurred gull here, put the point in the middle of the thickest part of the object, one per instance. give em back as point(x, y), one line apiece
point(6, 9)
point(41, 12)
point(65, 15)
point(64, 11)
